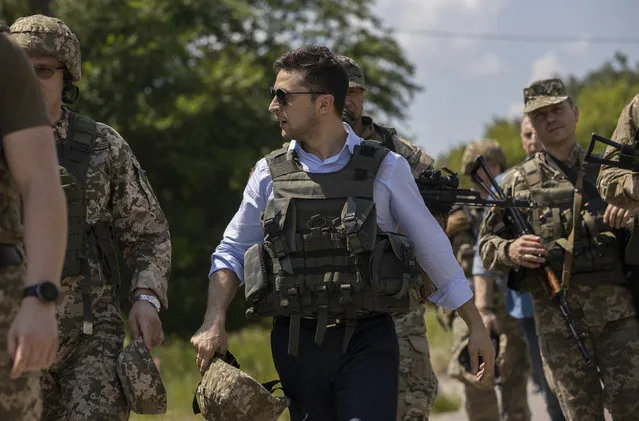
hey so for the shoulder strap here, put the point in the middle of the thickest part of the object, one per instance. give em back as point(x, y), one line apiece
point(75, 153)
point(572, 175)
point(367, 157)
point(282, 162)
point(531, 173)
point(388, 134)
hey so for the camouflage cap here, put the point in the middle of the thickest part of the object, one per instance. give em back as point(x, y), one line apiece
point(140, 379)
point(45, 36)
point(227, 393)
point(354, 72)
point(544, 92)
point(488, 148)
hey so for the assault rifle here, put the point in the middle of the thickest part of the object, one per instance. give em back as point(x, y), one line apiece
point(519, 226)
point(442, 192)
point(628, 157)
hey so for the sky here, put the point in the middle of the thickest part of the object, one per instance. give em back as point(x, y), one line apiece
point(468, 82)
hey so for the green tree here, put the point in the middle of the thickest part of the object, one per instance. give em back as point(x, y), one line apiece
point(186, 82)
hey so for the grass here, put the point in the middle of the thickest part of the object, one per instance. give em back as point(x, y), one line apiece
point(251, 347)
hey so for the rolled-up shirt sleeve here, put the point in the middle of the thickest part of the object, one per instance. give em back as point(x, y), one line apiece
point(399, 203)
point(245, 228)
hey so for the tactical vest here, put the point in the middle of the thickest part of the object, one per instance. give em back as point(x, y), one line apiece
point(323, 256)
point(84, 240)
point(596, 246)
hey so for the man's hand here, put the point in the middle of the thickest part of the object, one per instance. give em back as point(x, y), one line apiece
point(617, 217)
point(208, 340)
point(479, 344)
point(527, 251)
point(144, 320)
point(32, 341)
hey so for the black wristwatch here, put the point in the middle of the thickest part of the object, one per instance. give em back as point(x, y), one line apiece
point(46, 291)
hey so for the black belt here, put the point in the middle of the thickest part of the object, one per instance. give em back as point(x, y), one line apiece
point(9, 255)
point(311, 323)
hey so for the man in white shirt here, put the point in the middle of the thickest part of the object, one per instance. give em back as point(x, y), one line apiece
point(335, 368)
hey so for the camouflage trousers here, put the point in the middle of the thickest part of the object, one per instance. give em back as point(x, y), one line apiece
point(417, 381)
point(615, 349)
point(82, 384)
point(481, 404)
point(20, 399)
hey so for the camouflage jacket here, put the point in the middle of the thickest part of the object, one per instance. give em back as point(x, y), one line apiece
point(119, 194)
point(417, 159)
point(462, 229)
point(594, 300)
point(618, 186)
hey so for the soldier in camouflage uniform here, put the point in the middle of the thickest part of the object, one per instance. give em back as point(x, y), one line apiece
point(595, 287)
point(417, 381)
point(513, 363)
point(618, 186)
point(108, 197)
point(33, 223)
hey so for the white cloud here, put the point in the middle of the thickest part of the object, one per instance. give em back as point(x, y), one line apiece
point(408, 16)
point(546, 66)
point(489, 65)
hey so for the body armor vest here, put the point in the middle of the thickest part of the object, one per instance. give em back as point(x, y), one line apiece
point(463, 227)
point(323, 254)
point(84, 240)
point(596, 246)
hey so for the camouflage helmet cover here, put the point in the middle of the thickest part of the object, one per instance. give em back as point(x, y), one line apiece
point(227, 393)
point(354, 72)
point(140, 379)
point(488, 148)
point(45, 36)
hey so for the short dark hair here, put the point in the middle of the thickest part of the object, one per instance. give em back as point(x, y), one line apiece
point(322, 72)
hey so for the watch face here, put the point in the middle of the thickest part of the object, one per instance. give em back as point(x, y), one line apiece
point(48, 291)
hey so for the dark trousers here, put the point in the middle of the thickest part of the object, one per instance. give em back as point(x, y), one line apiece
point(326, 384)
point(552, 404)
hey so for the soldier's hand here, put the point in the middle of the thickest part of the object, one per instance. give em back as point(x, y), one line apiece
point(490, 320)
point(527, 251)
point(208, 340)
point(617, 217)
point(32, 341)
point(144, 320)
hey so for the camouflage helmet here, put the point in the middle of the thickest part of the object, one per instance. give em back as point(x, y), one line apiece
point(227, 393)
point(354, 72)
point(488, 148)
point(140, 379)
point(45, 36)
point(459, 365)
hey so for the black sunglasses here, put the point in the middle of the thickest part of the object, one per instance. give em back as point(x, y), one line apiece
point(44, 71)
point(281, 94)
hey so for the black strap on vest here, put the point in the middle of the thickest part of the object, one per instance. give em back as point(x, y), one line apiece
point(589, 189)
point(75, 155)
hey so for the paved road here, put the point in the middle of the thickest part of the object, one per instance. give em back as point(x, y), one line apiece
point(535, 401)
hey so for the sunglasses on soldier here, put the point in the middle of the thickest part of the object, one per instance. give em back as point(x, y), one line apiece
point(282, 95)
point(45, 71)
